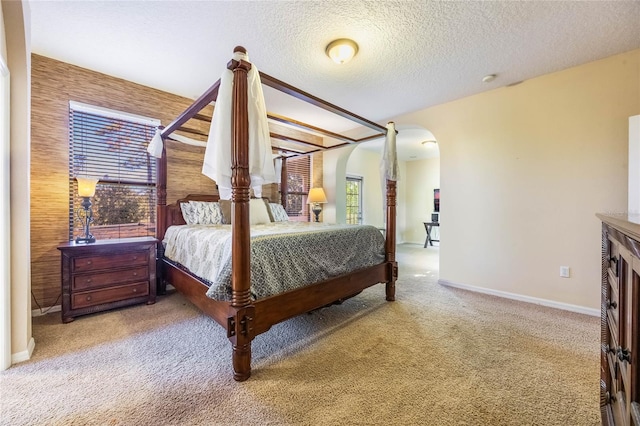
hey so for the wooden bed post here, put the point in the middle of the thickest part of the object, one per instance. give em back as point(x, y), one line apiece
point(390, 243)
point(161, 217)
point(242, 312)
point(283, 183)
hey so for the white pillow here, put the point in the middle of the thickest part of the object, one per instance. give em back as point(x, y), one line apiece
point(206, 212)
point(258, 212)
point(187, 213)
point(278, 212)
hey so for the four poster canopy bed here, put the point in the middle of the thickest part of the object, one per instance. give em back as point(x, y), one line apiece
point(251, 288)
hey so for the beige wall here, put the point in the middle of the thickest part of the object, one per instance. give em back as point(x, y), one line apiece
point(524, 169)
point(340, 162)
point(5, 200)
point(17, 30)
point(424, 177)
point(366, 164)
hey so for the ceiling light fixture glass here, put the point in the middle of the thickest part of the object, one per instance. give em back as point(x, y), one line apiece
point(342, 50)
point(489, 78)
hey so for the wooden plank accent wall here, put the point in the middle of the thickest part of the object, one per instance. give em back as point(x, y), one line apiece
point(53, 85)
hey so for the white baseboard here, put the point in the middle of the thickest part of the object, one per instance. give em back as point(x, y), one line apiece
point(45, 311)
point(24, 355)
point(522, 298)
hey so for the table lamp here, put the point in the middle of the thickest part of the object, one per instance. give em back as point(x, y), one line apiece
point(316, 197)
point(86, 190)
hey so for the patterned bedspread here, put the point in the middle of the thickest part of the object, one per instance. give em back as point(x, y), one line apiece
point(284, 255)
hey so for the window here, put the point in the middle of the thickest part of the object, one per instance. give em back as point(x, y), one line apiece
point(354, 200)
point(112, 146)
point(297, 187)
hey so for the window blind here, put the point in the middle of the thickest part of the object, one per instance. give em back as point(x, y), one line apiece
point(298, 183)
point(109, 146)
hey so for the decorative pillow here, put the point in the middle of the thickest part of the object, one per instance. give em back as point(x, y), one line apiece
point(225, 206)
point(258, 212)
point(206, 212)
point(188, 213)
point(278, 212)
point(266, 203)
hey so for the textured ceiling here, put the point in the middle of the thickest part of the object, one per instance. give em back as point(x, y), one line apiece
point(412, 54)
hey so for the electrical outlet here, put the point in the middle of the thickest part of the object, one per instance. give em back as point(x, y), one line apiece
point(565, 271)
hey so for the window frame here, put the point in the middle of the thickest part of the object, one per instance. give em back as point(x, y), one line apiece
point(360, 213)
point(86, 141)
point(305, 213)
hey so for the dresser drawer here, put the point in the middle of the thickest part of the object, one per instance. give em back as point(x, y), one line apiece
point(95, 263)
point(101, 279)
point(111, 294)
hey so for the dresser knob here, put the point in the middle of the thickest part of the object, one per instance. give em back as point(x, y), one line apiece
point(88, 262)
point(135, 274)
point(88, 280)
point(135, 257)
point(135, 290)
point(88, 298)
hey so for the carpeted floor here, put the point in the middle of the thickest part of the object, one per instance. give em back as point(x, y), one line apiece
point(436, 356)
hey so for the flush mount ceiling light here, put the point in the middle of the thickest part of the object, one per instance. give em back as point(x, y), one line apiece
point(429, 143)
point(489, 78)
point(342, 50)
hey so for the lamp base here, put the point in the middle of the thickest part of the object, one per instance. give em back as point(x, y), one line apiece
point(316, 211)
point(86, 240)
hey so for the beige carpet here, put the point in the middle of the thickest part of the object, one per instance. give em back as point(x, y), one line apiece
point(436, 356)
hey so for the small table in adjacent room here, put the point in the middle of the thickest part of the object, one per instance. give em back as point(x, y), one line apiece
point(428, 226)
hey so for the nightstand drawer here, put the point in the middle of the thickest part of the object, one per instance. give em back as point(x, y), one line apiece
point(111, 294)
point(88, 281)
point(94, 263)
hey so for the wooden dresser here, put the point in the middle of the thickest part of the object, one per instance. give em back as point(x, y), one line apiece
point(107, 274)
point(620, 327)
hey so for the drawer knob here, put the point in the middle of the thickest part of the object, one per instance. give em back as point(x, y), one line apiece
point(88, 262)
point(135, 290)
point(135, 274)
point(88, 280)
point(135, 257)
point(88, 298)
point(611, 305)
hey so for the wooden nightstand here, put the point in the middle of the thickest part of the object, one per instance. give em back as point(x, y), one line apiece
point(107, 274)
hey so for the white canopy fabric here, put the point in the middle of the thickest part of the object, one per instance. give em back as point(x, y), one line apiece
point(217, 158)
point(389, 164)
point(156, 144)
